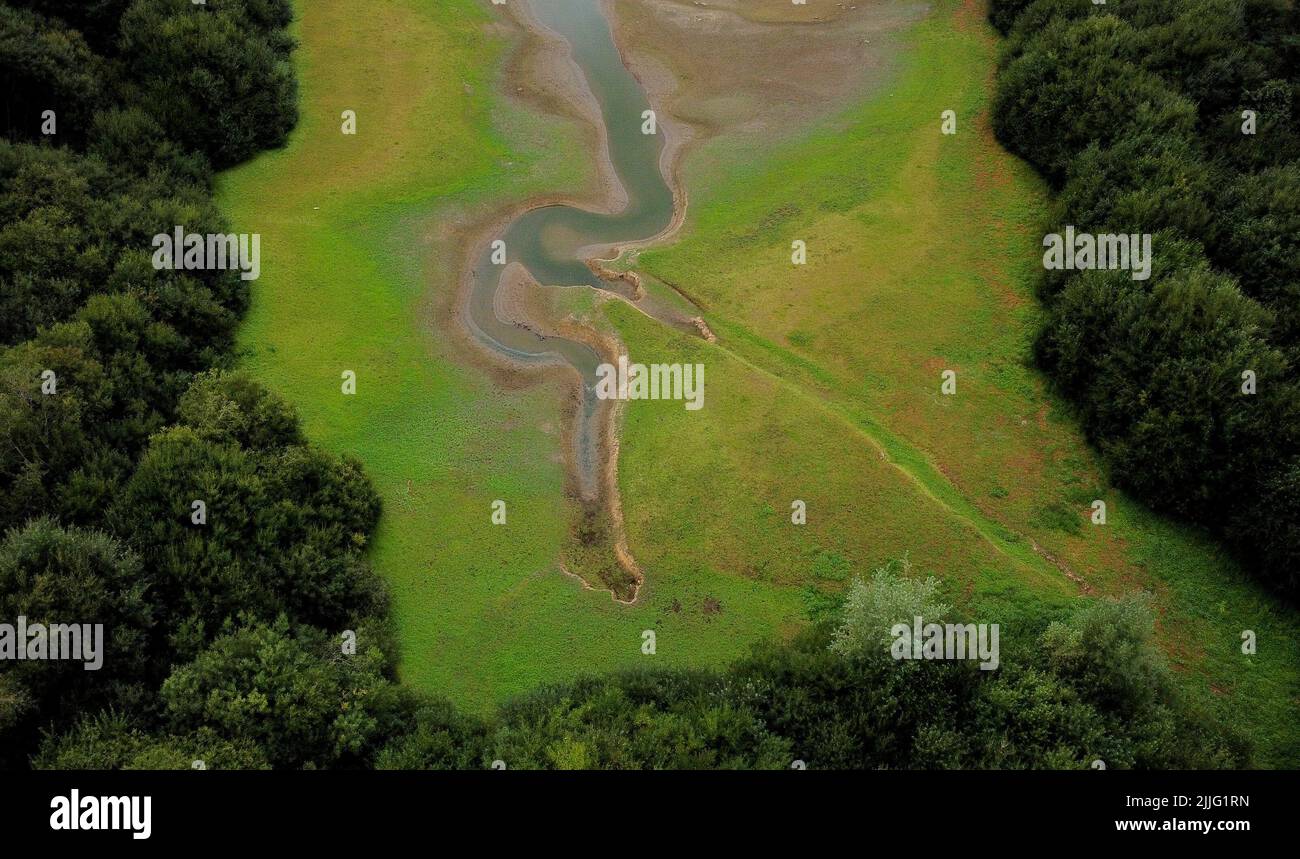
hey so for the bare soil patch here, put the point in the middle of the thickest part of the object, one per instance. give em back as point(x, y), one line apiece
point(756, 67)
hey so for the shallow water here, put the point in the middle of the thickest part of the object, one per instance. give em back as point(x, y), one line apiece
point(546, 241)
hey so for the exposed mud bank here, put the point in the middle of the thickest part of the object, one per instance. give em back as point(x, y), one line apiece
point(706, 72)
point(548, 77)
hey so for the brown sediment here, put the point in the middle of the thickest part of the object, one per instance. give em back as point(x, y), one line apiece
point(738, 74)
point(522, 300)
point(609, 275)
point(755, 69)
point(546, 77)
point(703, 327)
point(541, 73)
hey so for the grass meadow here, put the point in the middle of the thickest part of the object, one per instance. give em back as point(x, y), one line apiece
point(824, 385)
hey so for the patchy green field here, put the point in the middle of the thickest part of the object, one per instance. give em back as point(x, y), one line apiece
point(352, 251)
point(824, 386)
point(921, 253)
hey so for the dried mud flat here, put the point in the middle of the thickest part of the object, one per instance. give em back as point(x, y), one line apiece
point(752, 70)
point(756, 69)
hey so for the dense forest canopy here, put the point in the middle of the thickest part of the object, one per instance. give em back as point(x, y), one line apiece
point(227, 636)
point(1179, 119)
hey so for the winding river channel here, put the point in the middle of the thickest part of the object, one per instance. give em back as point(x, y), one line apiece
point(553, 242)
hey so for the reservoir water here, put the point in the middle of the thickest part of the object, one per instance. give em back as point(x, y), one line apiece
point(547, 241)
